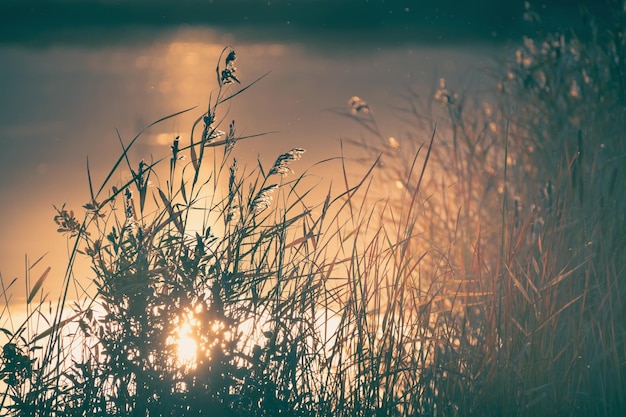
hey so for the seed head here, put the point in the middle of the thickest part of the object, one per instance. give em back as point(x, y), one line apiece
point(281, 166)
point(357, 105)
point(66, 222)
point(263, 199)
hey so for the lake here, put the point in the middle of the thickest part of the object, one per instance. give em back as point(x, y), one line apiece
point(64, 97)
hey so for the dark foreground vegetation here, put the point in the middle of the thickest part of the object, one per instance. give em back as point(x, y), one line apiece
point(489, 282)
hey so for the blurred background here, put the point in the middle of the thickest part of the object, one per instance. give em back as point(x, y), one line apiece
point(74, 71)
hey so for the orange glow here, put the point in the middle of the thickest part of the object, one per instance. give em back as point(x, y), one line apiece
point(186, 346)
point(184, 343)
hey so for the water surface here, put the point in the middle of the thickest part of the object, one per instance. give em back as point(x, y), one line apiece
point(62, 102)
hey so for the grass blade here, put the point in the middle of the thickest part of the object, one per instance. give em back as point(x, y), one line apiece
point(38, 285)
point(55, 328)
point(132, 142)
point(175, 217)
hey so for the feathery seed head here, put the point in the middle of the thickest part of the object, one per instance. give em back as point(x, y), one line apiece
point(281, 166)
point(357, 105)
point(263, 199)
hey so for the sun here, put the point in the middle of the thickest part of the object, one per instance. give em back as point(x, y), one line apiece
point(184, 343)
point(186, 346)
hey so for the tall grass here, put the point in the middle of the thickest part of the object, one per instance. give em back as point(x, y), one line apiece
point(485, 280)
point(521, 202)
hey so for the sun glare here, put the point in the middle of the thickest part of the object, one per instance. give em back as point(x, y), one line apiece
point(185, 344)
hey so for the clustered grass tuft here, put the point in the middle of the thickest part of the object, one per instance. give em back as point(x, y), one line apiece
point(487, 281)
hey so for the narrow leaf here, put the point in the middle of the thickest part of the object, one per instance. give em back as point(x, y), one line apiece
point(125, 151)
point(559, 311)
point(55, 327)
point(175, 217)
point(37, 261)
point(301, 240)
point(194, 157)
point(223, 142)
point(519, 286)
point(38, 285)
point(183, 191)
point(235, 94)
point(93, 199)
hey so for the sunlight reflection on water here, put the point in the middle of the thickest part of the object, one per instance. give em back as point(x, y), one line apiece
point(64, 103)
